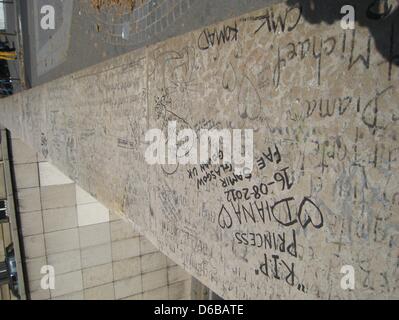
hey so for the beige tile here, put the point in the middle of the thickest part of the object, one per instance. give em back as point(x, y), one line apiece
point(154, 280)
point(34, 246)
point(170, 262)
point(26, 176)
point(60, 219)
point(176, 274)
point(2, 246)
point(157, 294)
point(6, 233)
point(31, 223)
point(128, 287)
point(51, 176)
point(180, 290)
point(34, 266)
point(104, 292)
point(65, 262)
point(94, 235)
point(29, 200)
point(5, 292)
point(61, 241)
point(125, 249)
point(21, 153)
point(58, 196)
point(67, 283)
point(71, 296)
point(128, 268)
point(121, 229)
point(40, 294)
point(3, 191)
point(92, 213)
point(98, 275)
point(153, 261)
point(34, 285)
point(95, 256)
point(83, 197)
point(146, 246)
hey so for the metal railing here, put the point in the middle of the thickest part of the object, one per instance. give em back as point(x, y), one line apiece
point(9, 54)
point(13, 258)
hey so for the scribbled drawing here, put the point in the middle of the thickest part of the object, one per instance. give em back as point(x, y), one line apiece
point(380, 229)
point(367, 276)
point(70, 153)
point(28, 116)
point(395, 199)
point(229, 78)
point(238, 50)
point(372, 115)
point(163, 108)
point(44, 145)
point(134, 130)
point(176, 72)
point(176, 88)
point(338, 229)
point(53, 120)
point(131, 139)
point(164, 113)
point(358, 198)
point(87, 133)
point(133, 193)
point(316, 185)
point(249, 101)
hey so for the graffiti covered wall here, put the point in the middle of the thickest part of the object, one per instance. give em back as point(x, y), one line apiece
point(323, 104)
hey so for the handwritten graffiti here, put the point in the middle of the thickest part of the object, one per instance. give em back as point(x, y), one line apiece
point(278, 23)
point(284, 212)
point(283, 242)
point(319, 49)
point(214, 37)
point(369, 109)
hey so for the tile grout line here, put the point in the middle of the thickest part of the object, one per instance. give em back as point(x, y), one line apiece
point(42, 216)
point(80, 244)
point(112, 257)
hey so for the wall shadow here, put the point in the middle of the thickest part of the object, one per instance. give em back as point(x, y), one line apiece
point(381, 17)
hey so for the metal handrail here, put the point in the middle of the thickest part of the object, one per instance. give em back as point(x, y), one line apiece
point(13, 219)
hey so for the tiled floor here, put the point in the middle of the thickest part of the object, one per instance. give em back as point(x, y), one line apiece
point(95, 253)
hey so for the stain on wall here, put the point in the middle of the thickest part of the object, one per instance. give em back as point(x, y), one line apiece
point(322, 102)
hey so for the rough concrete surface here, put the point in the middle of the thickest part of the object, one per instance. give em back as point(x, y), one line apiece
point(322, 102)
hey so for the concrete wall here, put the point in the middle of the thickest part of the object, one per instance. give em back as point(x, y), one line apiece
point(323, 104)
point(95, 253)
